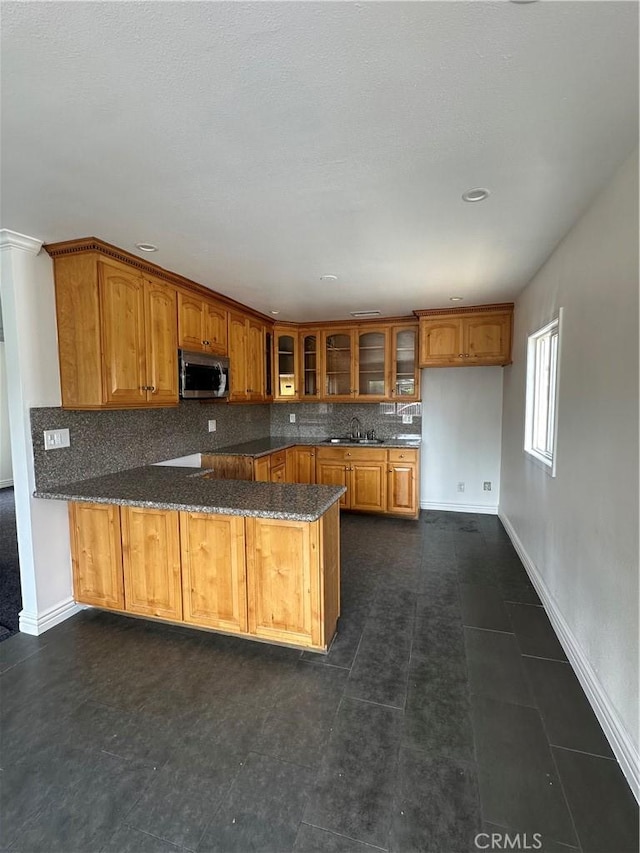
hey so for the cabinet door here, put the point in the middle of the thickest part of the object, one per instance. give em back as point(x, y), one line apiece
point(161, 342)
point(190, 322)
point(368, 486)
point(334, 474)
point(283, 582)
point(304, 464)
point(338, 365)
point(151, 560)
point(404, 363)
point(238, 357)
point(402, 488)
point(215, 328)
point(440, 341)
point(262, 469)
point(487, 338)
point(123, 335)
point(286, 364)
point(96, 555)
point(279, 474)
point(309, 380)
point(373, 365)
point(213, 571)
point(255, 360)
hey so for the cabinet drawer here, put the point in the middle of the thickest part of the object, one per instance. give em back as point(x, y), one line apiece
point(278, 458)
point(401, 455)
point(352, 454)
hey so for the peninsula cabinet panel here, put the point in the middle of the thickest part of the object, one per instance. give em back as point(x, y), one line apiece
point(214, 571)
point(151, 562)
point(96, 555)
point(283, 581)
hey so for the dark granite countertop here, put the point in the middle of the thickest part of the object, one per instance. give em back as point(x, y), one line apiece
point(264, 446)
point(186, 489)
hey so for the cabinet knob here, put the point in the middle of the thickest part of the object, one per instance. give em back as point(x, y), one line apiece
point(206, 343)
point(348, 454)
point(151, 388)
point(460, 355)
point(402, 456)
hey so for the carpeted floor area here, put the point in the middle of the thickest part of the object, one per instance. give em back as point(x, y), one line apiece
point(10, 595)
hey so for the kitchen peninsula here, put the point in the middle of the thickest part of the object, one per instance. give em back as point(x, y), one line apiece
point(255, 559)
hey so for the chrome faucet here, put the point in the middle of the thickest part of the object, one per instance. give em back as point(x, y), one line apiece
point(355, 428)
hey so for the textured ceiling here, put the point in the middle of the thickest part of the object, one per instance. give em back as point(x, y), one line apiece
point(260, 145)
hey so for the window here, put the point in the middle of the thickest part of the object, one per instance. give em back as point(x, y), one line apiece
point(542, 390)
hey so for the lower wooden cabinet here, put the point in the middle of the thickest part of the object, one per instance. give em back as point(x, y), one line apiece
point(214, 571)
point(376, 479)
point(96, 555)
point(402, 483)
point(151, 562)
point(269, 578)
point(293, 579)
point(262, 469)
point(301, 464)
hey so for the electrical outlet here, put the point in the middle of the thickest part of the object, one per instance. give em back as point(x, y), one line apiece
point(407, 419)
point(292, 418)
point(54, 439)
point(487, 485)
point(461, 487)
point(212, 425)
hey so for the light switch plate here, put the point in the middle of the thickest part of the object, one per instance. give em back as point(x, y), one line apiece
point(292, 418)
point(212, 425)
point(54, 439)
point(407, 419)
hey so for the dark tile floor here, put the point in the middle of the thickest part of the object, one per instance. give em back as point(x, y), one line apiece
point(444, 709)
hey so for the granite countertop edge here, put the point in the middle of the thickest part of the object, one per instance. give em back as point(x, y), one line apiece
point(276, 443)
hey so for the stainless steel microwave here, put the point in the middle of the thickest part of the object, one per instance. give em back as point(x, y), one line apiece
point(203, 376)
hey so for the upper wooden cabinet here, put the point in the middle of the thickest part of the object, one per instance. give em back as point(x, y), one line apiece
point(338, 364)
point(309, 369)
point(247, 359)
point(202, 324)
point(465, 337)
point(117, 335)
point(286, 365)
point(405, 380)
point(373, 365)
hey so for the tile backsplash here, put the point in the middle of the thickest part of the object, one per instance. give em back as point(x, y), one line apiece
point(107, 441)
point(323, 419)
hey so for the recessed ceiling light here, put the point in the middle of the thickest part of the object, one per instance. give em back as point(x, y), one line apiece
point(359, 315)
point(476, 194)
point(329, 277)
point(456, 298)
point(146, 247)
point(275, 312)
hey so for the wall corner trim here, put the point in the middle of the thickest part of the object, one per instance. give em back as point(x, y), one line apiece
point(14, 240)
point(37, 623)
point(621, 743)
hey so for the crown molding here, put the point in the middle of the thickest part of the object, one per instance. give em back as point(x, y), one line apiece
point(495, 308)
point(14, 240)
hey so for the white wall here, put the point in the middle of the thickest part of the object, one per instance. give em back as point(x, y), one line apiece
point(33, 379)
point(461, 436)
point(578, 533)
point(6, 475)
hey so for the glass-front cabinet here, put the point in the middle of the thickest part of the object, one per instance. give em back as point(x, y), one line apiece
point(309, 382)
point(404, 363)
point(338, 364)
point(286, 364)
point(373, 364)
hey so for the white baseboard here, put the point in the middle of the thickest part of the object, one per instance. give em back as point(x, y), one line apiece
point(615, 731)
point(5, 483)
point(38, 623)
point(451, 507)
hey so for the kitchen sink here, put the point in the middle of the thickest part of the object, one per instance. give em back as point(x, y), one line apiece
point(347, 440)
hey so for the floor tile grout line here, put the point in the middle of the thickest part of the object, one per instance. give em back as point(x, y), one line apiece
point(341, 835)
point(551, 660)
point(583, 752)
